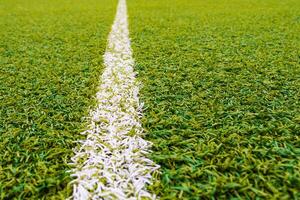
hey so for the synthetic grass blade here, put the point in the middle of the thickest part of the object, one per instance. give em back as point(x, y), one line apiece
point(221, 85)
point(111, 162)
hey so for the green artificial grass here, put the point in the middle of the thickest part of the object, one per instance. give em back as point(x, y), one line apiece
point(50, 62)
point(221, 87)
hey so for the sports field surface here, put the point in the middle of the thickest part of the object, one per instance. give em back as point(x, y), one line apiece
point(150, 99)
point(51, 61)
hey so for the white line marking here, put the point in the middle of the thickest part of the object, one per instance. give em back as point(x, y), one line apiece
point(111, 163)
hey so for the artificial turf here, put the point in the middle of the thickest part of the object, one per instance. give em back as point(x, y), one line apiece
point(221, 87)
point(50, 61)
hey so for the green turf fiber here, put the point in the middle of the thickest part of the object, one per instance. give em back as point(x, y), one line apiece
point(221, 92)
point(50, 63)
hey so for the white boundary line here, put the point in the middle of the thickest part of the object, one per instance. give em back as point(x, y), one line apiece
point(111, 163)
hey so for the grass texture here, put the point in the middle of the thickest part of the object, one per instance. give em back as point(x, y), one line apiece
point(221, 92)
point(50, 61)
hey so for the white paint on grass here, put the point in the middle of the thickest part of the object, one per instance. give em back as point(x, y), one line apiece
point(111, 163)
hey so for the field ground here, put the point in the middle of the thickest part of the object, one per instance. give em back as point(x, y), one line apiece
point(51, 59)
point(221, 92)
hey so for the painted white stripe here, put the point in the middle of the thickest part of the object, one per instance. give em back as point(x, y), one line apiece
point(111, 163)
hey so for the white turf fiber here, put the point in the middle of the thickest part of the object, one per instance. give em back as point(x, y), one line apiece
point(112, 162)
